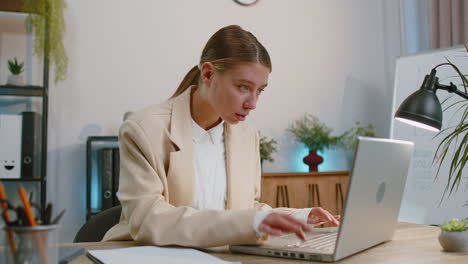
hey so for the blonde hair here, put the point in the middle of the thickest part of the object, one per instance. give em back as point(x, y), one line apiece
point(224, 49)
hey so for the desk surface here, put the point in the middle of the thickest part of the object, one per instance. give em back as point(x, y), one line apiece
point(411, 244)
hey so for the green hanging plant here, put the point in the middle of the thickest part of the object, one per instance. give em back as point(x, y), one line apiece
point(48, 14)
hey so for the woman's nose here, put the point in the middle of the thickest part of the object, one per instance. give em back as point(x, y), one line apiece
point(251, 102)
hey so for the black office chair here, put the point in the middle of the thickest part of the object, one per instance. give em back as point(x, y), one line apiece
point(95, 229)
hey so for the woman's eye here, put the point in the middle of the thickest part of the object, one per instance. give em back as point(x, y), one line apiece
point(244, 87)
point(259, 91)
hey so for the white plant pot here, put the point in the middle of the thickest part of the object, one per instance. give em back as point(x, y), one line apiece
point(15, 80)
point(453, 241)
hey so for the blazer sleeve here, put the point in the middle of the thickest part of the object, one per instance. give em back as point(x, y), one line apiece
point(153, 220)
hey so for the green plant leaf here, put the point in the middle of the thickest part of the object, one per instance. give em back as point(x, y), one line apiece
point(457, 139)
point(267, 148)
point(46, 16)
point(14, 67)
point(313, 133)
point(455, 225)
point(349, 138)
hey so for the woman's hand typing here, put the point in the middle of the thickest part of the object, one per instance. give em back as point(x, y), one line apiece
point(276, 224)
point(318, 215)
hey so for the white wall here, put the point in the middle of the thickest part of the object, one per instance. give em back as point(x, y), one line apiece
point(330, 58)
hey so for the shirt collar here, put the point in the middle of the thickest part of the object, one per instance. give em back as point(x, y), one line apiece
point(213, 135)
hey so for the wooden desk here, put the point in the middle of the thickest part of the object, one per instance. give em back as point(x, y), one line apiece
point(412, 244)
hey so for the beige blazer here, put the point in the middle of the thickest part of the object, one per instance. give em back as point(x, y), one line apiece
point(157, 181)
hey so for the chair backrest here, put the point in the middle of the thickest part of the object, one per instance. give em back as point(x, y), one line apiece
point(95, 229)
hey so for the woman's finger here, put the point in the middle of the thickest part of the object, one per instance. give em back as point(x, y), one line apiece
point(270, 230)
point(318, 215)
point(291, 225)
point(286, 223)
point(329, 217)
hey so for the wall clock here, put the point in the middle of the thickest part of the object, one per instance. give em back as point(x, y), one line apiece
point(246, 2)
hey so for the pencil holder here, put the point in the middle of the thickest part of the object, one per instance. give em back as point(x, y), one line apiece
point(32, 245)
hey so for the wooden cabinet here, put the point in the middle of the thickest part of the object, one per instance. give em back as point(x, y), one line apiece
point(304, 190)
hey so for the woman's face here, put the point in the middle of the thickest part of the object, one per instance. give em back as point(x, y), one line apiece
point(234, 93)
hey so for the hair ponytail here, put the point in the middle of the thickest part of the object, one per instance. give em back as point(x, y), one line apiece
point(190, 78)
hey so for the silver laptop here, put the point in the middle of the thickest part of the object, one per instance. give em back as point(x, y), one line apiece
point(370, 213)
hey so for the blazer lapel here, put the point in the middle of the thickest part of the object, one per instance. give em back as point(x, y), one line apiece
point(236, 171)
point(181, 175)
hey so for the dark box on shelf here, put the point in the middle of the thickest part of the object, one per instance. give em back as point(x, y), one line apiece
point(31, 146)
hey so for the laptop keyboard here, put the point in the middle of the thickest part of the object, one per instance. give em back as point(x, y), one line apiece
point(325, 242)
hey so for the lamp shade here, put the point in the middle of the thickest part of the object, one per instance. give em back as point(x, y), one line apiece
point(422, 108)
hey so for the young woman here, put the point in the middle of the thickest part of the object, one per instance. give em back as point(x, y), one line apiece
point(190, 167)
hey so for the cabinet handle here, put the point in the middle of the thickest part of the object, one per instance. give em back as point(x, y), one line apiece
point(287, 195)
point(338, 197)
point(313, 195)
point(282, 190)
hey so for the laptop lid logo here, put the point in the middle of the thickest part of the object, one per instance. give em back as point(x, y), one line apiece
point(381, 192)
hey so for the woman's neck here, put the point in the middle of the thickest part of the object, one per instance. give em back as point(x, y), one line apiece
point(202, 112)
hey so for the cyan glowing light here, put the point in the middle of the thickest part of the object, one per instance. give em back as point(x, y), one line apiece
point(300, 166)
point(332, 160)
point(95, 186)
point(299, 154)
point(329, 161)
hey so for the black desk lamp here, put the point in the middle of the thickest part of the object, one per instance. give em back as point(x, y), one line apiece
point(422, 108)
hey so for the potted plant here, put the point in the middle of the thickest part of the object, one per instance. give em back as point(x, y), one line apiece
point(349, 138)
point(315, 135)
point(15, 69)
point(458, 139)
point(454, 235)
point(46, 20)
point(267, 148)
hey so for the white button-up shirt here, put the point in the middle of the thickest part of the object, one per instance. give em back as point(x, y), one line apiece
point(210, 167)
point(209, 161)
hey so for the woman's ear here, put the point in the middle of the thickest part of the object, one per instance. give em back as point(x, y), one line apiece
point(206, 73)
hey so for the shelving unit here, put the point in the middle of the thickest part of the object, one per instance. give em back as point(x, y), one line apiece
point(93, 143)
point(33, 91)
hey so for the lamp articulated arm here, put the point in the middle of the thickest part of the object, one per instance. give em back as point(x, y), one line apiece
point(452, 88)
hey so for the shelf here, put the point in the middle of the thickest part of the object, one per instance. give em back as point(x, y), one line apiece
point(21, 179)
point(11, 5)
point(103, 138)
point(28, 90)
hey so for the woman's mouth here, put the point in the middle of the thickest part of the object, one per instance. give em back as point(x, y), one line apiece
point(240, 117)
